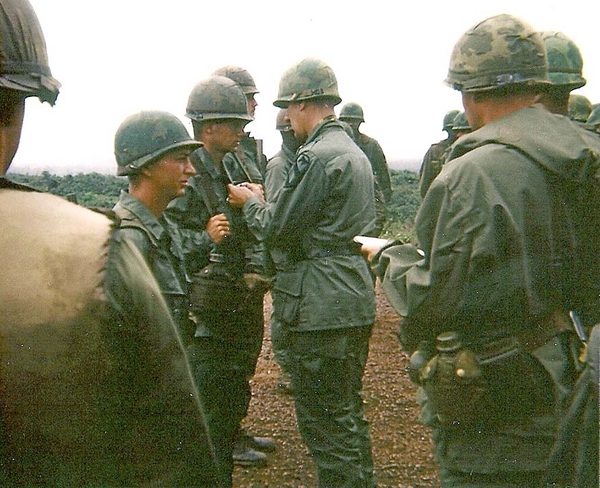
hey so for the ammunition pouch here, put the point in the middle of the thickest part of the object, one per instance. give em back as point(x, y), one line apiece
point(215, 289)
point(488, 383)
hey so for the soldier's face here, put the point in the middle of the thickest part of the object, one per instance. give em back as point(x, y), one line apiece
point(252, 104)
point(295, 114)
point(172, 173)
point(12, 112)
point(226, 134)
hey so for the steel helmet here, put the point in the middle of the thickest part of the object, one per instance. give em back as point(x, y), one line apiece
point(145, 137)
point(282, 123)
point(460, 123)
point(449, 119)
point(499, 51)
point(217, 98)
point(307, 80)
point(23, 56)
point(352, 111)
point(579, 108)
point(239, 76)
point(565, 64)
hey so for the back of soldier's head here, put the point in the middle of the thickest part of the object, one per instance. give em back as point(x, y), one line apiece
point(501, 54)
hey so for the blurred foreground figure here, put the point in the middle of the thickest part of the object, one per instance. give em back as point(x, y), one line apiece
point(94, 383)
point(505, 283)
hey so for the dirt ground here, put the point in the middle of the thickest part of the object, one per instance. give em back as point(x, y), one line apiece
point(401, 446)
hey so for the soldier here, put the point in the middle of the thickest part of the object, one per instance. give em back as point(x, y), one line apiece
point(433, 159)
point(579, 108)
point(249, 153)
point(565, 71)
point(152, 149)
point(495, 281)
point(258, 214)
point(216, 241)
point(248, 156)
point(323, 294)
point(353, 115)
point(96, 390)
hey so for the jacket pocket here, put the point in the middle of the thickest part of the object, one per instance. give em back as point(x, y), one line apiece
point(287, 292)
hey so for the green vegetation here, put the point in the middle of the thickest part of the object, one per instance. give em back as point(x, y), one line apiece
point(98, 190)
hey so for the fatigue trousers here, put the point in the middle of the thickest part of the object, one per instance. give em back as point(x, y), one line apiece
point(223, 365)
point(326, 368)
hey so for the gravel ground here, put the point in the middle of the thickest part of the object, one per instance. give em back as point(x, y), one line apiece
point(401, 446)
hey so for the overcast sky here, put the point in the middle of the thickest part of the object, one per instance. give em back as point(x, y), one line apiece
point(117, 57)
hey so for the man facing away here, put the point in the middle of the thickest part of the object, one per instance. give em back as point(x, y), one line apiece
point(95, 387)
point(507, 267)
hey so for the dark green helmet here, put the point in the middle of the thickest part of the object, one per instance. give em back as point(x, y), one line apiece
point(217, 98)
point(282, 123)
point(499, 51)
point(23, 57)
point(449, 119)
point(240, 76)
point(565, 64)
point(460, 123)
point(579, 108)
point(352, 111)
point(307, 80)
point(147, 136)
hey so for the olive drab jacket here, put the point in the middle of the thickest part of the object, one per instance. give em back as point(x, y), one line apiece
point(328, 199)
point(95, 386)
point(485, 230)
point(490, 245)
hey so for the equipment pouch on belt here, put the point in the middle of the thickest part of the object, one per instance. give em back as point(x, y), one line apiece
point(485, 383)
point(216, 289)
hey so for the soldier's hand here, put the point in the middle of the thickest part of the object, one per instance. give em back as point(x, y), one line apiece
point(238, 195)
point(370, 246)
point(218, 228)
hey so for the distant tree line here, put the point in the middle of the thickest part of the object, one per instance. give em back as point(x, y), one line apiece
point(99, 190)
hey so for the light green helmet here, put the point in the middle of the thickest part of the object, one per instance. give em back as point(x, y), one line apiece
point(497, 52)
point(307, 80)
point(449, 119)
point(352, 111)
point(217, 98)
point(565, 64)
point(24, 64)
point(147, 136)
point(579, 108)
point(460, 123)
point(240, 76)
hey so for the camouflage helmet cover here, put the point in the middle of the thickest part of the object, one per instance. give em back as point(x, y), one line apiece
point(352, 111)
point(145, 137)
point(217, 98)
point(499, 51)
point(579, 107)
point(23, 56)
point(282, 122)
point(565, 64)
point(449, 119)
point(460, 123)
point(241, 76)
point(309, 79)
